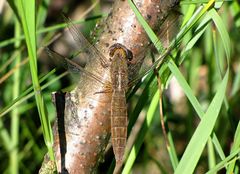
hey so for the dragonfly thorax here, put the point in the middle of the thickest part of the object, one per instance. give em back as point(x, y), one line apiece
point(119, 67)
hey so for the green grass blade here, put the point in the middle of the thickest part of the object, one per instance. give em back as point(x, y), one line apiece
point(26, 10)
point(6, 140)
point(190, 11)
point(198, 141)
point(14, 156)
point(146, 27)
point(222, 31)
point(228, 160)
point(236, 84)
point(193, 100)
point(22, 97)
point(218, 147)
point(48, 29)
point(150, 114)
point(235, 146)
point(186, 88)
point(211, 154)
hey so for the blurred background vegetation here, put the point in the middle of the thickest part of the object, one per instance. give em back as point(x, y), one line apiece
point(22, 146)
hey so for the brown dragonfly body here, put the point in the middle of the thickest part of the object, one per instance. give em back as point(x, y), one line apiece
point(119, 80)
point(117, 87)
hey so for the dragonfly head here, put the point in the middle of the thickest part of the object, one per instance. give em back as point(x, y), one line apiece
point(118, 48)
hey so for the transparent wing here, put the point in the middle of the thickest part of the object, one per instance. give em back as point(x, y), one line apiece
point(166, 34)
point(157, 63)
point(85, 48)
point(169, 28)
point(71, 65)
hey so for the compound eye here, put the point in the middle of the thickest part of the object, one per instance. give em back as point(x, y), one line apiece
point(129, 55)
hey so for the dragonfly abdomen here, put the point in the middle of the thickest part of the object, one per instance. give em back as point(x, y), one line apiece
point(119, 123)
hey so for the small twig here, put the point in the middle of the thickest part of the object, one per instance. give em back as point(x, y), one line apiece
point(161, 109)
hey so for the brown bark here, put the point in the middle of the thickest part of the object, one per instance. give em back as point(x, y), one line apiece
point(80, 142)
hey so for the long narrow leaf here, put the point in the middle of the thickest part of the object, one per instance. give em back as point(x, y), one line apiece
point(199, 139)
point(26, 10)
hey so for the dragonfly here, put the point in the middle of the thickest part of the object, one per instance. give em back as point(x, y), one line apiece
point(117, 85)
